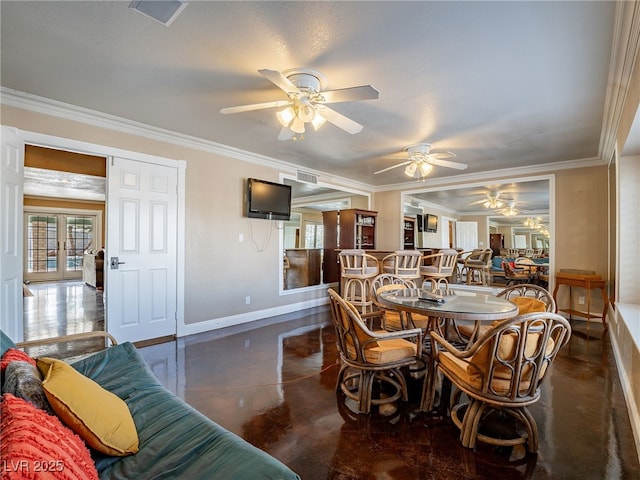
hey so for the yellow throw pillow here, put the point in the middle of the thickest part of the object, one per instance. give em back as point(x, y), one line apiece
point(102, 419)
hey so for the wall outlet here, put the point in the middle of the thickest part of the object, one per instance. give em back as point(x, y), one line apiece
point(241, 238)
point(247, 300)
point(580, 300)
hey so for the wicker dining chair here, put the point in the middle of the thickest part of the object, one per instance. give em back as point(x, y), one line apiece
point(403, 264)
point(371, 357)
point(502, 371)
point(442, 266)
point(357, 269)
point(392, 319)
point(528, 297)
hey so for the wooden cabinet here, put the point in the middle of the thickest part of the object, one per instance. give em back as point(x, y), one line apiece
point(496, 242)
point(351, 228)
point(409, 233)
point(304, 267)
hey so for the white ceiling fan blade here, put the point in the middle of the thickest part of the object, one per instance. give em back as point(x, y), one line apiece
point(339, 120)
point(391, 168)
point(442, 155)
point(285, 134)
point(255, 106)
point(445, 163)
point(364, 92)
point(279, 80)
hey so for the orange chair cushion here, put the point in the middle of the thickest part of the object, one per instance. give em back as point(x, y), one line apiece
point(525, 305)
point(529, 305)
point(478, 363)
point(391, 350)
point(392, 321)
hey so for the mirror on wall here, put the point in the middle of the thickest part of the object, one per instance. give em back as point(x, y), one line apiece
point(302, 236)
point(510, 214)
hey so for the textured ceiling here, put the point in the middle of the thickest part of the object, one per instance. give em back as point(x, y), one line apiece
point(501, 84)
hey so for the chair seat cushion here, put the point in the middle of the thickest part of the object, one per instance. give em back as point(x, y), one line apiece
point(391, 350)
point(430, 269)
point(529, 305)
point(392, 321)
point(368, 271)
point(465, 372)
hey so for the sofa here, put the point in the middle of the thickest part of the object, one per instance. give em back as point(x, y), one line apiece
point(173, 439)
point(497, 271)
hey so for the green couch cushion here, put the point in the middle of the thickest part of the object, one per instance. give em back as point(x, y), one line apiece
point(5, 343)
point(176, 441)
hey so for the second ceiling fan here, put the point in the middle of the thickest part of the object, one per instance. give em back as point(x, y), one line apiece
point(421, 161)
point(307, 101)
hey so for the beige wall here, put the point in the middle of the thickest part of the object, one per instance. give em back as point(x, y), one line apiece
point(390, 227)
point(220, 271)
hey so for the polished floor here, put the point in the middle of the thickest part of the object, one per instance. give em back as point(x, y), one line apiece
point(273, 383)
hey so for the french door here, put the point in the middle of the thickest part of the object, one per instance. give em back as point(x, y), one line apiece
point(55, 243)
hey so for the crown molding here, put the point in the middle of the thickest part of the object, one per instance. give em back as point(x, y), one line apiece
point(493, 175)
point(54, 108)
point(624, 53)
point(46, 106)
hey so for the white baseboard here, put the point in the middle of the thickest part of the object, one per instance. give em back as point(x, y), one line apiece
point(242, 318)
point(627, 314)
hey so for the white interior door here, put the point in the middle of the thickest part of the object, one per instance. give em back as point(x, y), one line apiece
point(11, 201)
point(467, 235)
point(141, 250)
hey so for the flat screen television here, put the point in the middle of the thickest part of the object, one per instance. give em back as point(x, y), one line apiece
point(430, 223)
point(268, 200)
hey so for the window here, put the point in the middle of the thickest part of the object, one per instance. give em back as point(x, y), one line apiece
point(313, 235)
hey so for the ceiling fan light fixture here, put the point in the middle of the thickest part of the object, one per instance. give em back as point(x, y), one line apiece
point(297, 125)
point(425, 168)
point(286, 116)
point(410, 169)
point(317, 121)
point(306, 113)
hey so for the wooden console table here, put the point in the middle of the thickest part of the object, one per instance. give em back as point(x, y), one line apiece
point(588, 282)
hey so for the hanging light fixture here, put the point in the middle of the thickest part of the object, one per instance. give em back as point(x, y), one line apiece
point(410, 169)
point(493, 202)
point(286, 116)
point(509, 212)
point(297, 125)
point(425, 168)
point(318, 121)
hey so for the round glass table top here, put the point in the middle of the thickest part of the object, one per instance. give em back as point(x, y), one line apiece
point(462, 304)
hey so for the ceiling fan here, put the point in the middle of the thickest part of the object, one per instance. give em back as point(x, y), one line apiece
point(492, 201)
point(421, 161)
point(509, 210)
point(306, 102)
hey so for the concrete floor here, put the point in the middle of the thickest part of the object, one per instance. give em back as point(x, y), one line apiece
point(273, 383)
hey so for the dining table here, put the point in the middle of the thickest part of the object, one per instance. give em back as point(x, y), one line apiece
point(442, 308)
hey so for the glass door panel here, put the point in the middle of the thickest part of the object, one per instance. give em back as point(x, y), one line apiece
point(79, 238)
point(55, 245)
point(42, 245)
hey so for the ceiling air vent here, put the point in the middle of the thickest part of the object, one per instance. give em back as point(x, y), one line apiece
point(307, 177)
point(164, 11)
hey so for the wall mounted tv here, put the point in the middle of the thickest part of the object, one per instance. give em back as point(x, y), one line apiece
point(268, 200)
point(430, 223)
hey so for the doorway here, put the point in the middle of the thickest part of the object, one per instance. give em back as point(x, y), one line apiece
point(12, 178)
